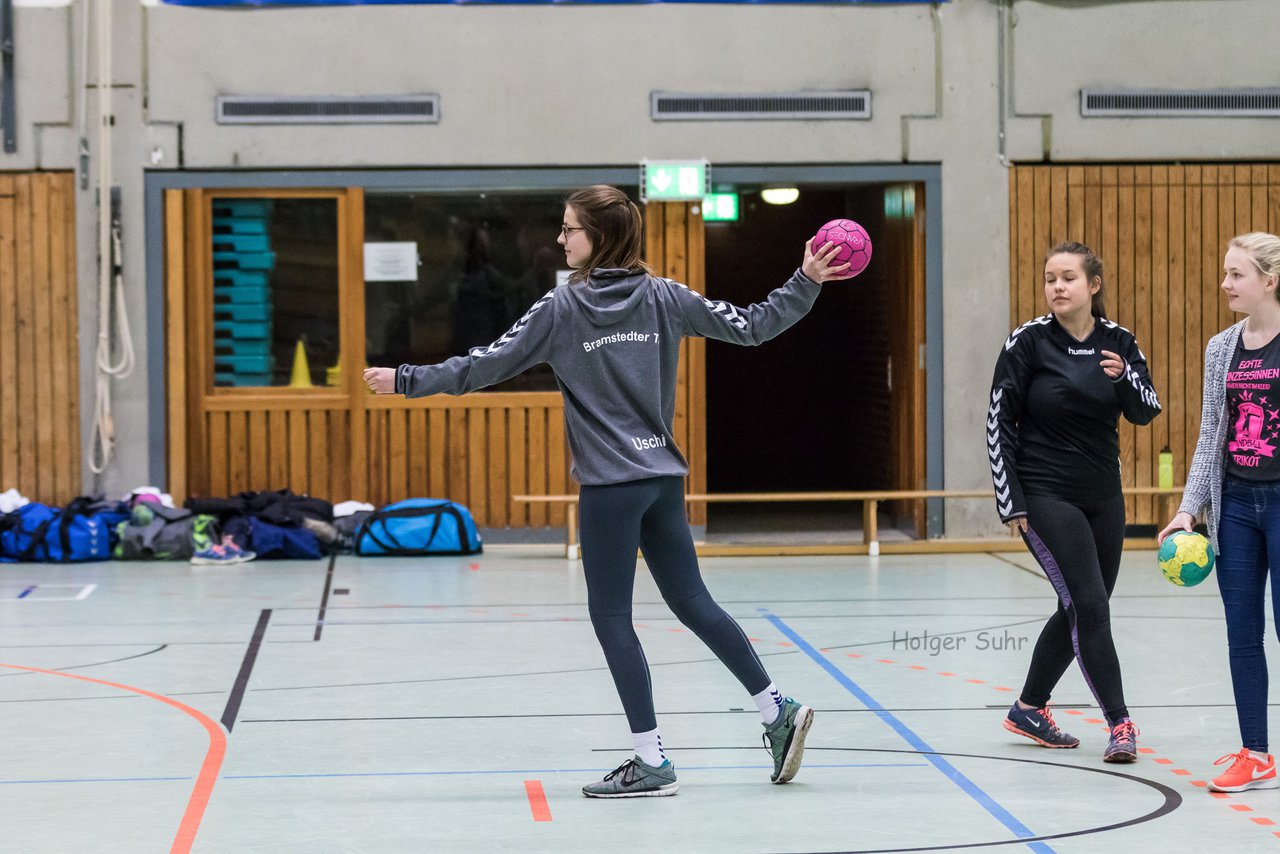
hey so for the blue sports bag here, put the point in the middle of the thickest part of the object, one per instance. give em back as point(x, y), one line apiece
point(418, 526)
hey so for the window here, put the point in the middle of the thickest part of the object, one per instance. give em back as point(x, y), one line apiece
point(275, 291)
point(482, 260)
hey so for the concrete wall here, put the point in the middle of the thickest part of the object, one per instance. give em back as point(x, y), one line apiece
point(570, 86)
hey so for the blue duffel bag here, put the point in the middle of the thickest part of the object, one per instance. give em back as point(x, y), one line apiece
point(418, 526)
point(81, 531)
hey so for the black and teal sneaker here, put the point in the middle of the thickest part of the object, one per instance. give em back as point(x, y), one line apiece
point(785, 738)
point(1038, 725)
point(635, 779)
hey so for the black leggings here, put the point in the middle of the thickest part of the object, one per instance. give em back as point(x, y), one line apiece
point(1078, 546)
point(649, 514)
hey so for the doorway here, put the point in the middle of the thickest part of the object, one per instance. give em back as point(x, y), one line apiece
point(836, 403)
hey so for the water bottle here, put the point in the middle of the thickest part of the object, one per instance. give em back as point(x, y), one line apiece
point(1166, 468)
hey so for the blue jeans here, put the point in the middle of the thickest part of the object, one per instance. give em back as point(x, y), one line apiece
point(1249, 542)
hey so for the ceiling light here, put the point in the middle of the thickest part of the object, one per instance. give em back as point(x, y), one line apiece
point(779, 195)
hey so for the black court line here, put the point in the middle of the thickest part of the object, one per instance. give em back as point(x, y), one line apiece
point(93, 663)
point(1028, 570)
point(1172, 798)
point(246, 668)
point(753, 602)
point(324, 599)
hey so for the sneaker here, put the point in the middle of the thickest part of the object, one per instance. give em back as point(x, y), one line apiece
point(225, 552)
point(635, 779)
point(1038, 725)
point(1249, 770)
point(785, 738)
point(1123, 746)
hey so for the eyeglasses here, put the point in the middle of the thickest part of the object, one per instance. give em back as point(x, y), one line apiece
point(566, 229)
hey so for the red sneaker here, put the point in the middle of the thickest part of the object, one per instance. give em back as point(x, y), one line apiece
point(1249, 770)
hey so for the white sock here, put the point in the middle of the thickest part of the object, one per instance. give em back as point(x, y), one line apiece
point(649, 747)
point(769, 702)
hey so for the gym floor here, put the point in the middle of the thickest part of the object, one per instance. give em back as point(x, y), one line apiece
point(459, 704)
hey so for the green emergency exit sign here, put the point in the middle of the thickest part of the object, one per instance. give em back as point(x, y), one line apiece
point(720, 207)
point(674, 180)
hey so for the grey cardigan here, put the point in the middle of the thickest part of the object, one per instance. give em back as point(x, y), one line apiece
point(1204, 480)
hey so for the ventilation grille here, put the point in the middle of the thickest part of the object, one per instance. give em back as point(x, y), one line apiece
point(1180, 102)
point(266, 110)
point(848, 104)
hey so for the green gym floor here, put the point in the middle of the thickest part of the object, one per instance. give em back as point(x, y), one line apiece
point(459, 704)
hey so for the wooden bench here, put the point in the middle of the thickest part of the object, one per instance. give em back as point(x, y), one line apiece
point(870, 501)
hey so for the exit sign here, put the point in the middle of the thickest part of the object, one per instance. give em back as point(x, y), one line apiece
point(720, 207)
point(674, 180)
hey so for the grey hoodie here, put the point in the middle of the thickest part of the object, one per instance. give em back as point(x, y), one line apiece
point(614, 344)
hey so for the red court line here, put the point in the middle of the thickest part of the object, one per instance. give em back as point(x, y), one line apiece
point(208, 769)
point(537, 800)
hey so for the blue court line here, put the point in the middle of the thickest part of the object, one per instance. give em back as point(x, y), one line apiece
point(26, 592)
point(447, 773)
point(968, 786)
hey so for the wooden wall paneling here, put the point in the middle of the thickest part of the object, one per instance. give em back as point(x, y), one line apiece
point(199, 336)
point(375, 456)
point(1226, 230)
point(320, 455)
point(278, 439)
point(477, 459)
point(417, 453)
point(1024, 307)
point(1043, 235)
point(558, 481)
point(517, 448)
point(696, 373)
point(437, 447)
point(539, 482)
point(64, 352)
point(1174, 390)
point(175, 287)
point(1140, 286)
point(1076, 209)
point(457, 482)
point(41, 370)
point(340, 472)
point(352, 345)
point(26, 383)
point(9, 364)
point(1156, 345)
point(299, 480)
point(398, 455)
point(1059, 229)
point(259, 452)
point(217, 456)
point(498, 485)
point(1273, 198)
point(237, 452)
point(1193, 350)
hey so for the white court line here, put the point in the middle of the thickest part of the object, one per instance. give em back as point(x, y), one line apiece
point(83, 591)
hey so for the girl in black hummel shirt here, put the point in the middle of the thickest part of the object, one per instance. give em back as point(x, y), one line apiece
point(1061, 383)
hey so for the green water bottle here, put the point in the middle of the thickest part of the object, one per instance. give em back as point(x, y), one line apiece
point(1166, 468)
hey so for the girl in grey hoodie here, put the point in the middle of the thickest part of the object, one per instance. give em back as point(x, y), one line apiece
point(612, 336)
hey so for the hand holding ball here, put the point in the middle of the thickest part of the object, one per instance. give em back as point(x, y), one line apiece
point(853, 244)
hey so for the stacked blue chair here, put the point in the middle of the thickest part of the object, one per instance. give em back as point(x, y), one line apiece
point(242, 265)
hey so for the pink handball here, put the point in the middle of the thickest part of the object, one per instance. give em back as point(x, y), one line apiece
point(853, 244)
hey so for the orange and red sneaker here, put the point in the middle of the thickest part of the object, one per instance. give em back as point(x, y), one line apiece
point(1248, 770)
